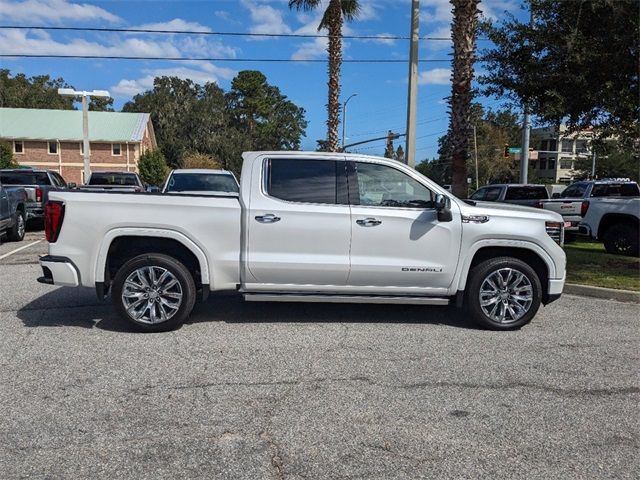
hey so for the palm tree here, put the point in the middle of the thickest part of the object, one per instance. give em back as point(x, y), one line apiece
point(463, 33)
point(332, 20)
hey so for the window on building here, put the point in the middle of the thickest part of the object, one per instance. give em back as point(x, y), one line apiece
point(53, 148)
point(567, 145)
point(543, 164)
point(552, 164)
point(544, 145)
point(566, 164)
point(18, 146)
point(553, 145)
point(581, 146)
point(116, 149)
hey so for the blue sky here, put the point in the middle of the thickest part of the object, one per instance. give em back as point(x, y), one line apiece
point(381, 88)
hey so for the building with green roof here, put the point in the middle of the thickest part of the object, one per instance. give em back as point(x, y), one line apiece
point(52, 139)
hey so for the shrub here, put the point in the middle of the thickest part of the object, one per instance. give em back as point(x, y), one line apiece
point(200, 160)
point(153, 167)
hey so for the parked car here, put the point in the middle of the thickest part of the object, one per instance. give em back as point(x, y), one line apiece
point(201, 181)
point(113, 182)
point(308, 227)
point(13, 212)
point(37, 184)
point(518, 194)
point(573, 202)
point(614, 221)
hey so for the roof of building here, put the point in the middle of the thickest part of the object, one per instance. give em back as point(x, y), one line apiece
point(44, 124)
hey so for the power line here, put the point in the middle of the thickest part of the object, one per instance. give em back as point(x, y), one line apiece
point(211, 59)
point(221, 34)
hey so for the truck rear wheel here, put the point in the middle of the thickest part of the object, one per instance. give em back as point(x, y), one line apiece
point(16, 233)
point(154, 292)
point(622, 239)
point(503, 293)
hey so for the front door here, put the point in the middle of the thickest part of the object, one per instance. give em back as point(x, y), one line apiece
point(298, 224)
point(397, 241)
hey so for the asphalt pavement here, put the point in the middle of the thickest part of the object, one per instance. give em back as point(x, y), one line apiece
point(312, 391)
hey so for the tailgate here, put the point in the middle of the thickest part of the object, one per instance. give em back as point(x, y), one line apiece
point(564, 207)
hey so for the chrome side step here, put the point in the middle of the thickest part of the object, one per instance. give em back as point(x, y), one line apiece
point(290, 297)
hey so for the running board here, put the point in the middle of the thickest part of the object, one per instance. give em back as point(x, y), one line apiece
point(288, 297)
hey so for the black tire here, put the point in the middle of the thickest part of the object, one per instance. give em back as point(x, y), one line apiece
point(16, 233)
point(477, 277)
point(570, 237)
point(160, 263)
point(622, 239)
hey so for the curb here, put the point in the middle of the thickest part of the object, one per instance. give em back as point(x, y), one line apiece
point(599, 292)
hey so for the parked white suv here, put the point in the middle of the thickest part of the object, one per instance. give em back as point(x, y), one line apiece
point(308, 227)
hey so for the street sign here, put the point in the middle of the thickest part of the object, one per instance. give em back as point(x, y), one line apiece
point(515, 150)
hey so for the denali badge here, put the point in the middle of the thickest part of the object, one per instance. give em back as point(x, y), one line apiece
point(422, 269)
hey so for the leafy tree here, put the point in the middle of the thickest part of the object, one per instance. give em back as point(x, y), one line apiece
point(101, 104)
point(335, 14)
point(153, 167)
point(40, 91)
point(614, 159)
point(388, 151)
point(200, 160)
point(463, 32)
point(6, 156)
point(577, 62)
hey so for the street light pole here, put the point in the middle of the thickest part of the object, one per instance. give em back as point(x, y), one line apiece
point(344, 117)
point(412, 94)
point(475, 151)
point(86, 154)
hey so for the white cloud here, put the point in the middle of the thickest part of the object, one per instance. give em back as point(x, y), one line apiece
point(202, 73)
point(222, 14)
point(435, 76)
point(265, 18)
point(53, 11)
point(177, 24)
point(311, 50)
point(435, 11)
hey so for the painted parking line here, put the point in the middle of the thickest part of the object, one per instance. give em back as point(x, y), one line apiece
point(19, 249)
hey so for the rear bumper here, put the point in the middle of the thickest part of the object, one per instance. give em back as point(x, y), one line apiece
point(58, 271)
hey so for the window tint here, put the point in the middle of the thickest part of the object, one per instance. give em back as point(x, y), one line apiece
point(202, 182)
point(308, 181)
point(615, 190)
point(112, 179)
point(478, 194)
point(526, 193)
point(574, 191)
point(384, 186)
point(24, 178)
point(493, 194)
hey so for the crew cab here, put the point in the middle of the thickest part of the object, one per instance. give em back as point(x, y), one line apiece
point(308, 227)
point(616, 222)
point(13, 212)
point(573, 202)
point(37, 184)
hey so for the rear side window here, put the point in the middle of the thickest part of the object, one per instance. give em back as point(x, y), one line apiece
point(202, 182)
point(615, 190)
point(24, 178)
point(492, 194)
point(526, 193)
point(112, 179)
point(308, 181)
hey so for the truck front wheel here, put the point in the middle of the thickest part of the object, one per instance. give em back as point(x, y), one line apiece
point(622, 239)
point(154, 292)
point(503, 293)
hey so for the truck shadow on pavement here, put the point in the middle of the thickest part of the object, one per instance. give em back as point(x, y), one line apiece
point(68, 307)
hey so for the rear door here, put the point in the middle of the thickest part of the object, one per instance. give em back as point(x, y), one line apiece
point(298, 224)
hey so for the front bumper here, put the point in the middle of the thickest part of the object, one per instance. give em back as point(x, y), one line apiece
point(58, 271)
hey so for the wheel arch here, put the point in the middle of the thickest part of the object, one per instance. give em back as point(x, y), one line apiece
point(120, 245)
point(610, 219)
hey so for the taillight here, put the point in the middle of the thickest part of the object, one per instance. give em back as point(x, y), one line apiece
point(38, 194)
point(583, 208)
point(53, 217)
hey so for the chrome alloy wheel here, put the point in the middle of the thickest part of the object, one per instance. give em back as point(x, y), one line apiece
point(151, 295)
point(21, 226)
point(506, 295)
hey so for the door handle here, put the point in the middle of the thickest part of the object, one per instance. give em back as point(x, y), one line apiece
point(267, 218)
point(369, 222)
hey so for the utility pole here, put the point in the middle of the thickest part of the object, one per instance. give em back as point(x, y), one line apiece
point(475, 151)
point(86, 154)
point(593, 165)
point(344, 117)
point(526, 131)
point(412, 97)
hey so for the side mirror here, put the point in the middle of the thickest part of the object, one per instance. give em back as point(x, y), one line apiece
point(443, 207)
point(72, 185)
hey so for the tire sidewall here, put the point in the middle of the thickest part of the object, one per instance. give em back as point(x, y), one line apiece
point(477, 276)
point(617, 231)
point(177, 269)
point(14, 234)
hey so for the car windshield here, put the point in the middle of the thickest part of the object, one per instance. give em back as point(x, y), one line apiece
point(24, 178)
point(526, 193)
point(202, 182)
point(113, 179)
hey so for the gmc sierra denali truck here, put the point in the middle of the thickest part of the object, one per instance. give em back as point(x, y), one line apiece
point(307, 227)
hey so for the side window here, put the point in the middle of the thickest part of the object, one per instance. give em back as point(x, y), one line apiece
point(479, 194)
point(59, 180)
point(384, 186)
point(574, 191)
point(492, 194)
point(307, 181)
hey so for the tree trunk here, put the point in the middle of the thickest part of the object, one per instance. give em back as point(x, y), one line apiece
point(334, 22)
point(463, 32)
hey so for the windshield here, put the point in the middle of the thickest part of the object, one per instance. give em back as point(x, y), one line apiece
point(113, 179)
point(24, 178)
point(202, 182)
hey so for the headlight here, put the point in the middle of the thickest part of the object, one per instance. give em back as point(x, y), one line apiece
point(556, 231)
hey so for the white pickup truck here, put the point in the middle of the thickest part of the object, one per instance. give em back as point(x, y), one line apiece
point(616, 222)
point(307, 227)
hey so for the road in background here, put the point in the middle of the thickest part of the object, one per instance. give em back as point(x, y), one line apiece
point(297, 391)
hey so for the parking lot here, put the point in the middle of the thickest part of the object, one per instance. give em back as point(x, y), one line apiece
point(310, 391)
